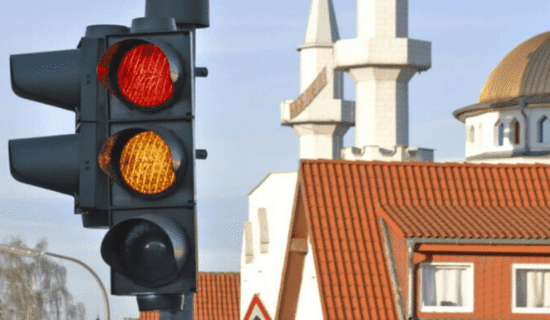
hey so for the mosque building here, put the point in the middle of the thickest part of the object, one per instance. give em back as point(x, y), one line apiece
point(381, 231)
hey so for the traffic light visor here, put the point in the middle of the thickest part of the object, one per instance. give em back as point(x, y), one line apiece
point(143, 73)
point(142, 160)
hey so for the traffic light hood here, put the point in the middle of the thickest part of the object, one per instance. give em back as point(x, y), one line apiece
point(47, 162)
point(47, 77)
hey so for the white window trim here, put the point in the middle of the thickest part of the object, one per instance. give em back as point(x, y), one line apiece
point(515, 267)
point(470, 305)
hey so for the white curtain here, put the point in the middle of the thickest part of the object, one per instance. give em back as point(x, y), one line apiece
point(444, 286)
point(533, 289)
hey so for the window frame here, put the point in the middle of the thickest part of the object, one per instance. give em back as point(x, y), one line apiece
point(469, 308)
point(526, 310)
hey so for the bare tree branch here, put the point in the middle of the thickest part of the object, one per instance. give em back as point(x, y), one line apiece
point(35, 288)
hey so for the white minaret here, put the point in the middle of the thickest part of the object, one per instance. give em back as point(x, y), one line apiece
point(319, 116)
point(381, 61)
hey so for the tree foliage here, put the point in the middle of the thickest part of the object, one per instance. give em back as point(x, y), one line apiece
point(35, 288)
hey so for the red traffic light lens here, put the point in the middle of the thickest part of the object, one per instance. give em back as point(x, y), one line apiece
point(144, 76)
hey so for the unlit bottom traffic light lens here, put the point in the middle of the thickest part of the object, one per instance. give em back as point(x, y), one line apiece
point(146, 164)
point(147, 252)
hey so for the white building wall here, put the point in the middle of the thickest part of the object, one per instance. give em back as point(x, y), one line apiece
point(514, 160)
point(535, 114)
point(486, 139)
point(309, 299)
point(263, 275)
point(487, 144)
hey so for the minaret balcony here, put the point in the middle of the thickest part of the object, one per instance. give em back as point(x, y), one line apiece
point(381, 52)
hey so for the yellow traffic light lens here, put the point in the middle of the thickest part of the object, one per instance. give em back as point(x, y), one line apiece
point(144, 76)
point(146, 164)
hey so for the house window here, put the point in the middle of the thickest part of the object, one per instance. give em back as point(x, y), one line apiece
point(472, 134)
point(544, 130)
point(531, 288)
point(447, 287)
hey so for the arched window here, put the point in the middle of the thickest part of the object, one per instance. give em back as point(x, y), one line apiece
point(471, 134)
point(544, 130)
point(499, 133)
point(515, 132)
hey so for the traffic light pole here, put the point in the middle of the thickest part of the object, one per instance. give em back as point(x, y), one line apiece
point(185, 314)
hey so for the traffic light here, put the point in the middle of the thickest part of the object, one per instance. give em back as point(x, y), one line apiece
point(130, 164)
point(149, 157)
point(65, 163)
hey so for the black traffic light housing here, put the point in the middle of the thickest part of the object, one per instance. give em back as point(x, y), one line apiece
point(151, 245)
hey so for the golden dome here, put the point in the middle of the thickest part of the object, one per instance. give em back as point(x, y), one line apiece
point(524, 72)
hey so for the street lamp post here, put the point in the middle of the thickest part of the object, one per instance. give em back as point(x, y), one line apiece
point(35, 254)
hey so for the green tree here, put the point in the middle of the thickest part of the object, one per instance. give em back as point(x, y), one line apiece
point(35, 288)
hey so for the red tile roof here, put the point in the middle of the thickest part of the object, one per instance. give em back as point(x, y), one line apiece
point(344, 200)
point(219, 296)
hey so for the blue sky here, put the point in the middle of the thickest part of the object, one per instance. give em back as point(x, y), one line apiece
point(250, 52)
